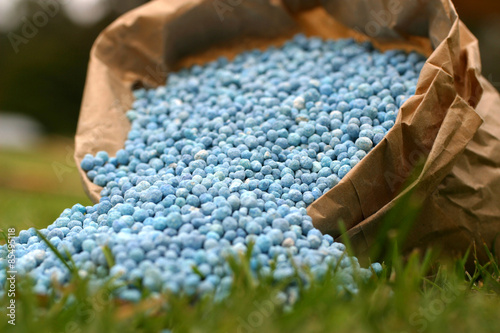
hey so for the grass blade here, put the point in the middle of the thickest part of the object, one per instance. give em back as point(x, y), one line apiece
point(108, 255)
point(58, 254)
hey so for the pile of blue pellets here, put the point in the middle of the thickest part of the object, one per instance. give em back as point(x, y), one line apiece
point(226, 155)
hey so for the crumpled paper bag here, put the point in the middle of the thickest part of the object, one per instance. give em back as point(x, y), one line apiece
point(451, 125)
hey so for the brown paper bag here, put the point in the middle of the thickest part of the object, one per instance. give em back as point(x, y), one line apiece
point(441, 125)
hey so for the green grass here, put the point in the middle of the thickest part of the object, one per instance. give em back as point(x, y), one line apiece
point(420, 293)
point(23, 209)
point(37, 185)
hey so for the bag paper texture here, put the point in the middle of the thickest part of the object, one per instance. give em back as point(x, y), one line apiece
point(452, 123)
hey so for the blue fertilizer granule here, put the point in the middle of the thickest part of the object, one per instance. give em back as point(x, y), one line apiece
point(226, 155)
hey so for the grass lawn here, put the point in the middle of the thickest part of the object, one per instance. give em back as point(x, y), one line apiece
point(37, 185)
point(419, 294)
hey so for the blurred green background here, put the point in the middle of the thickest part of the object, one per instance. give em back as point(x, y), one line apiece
point(43, 64)
point(41, 84)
